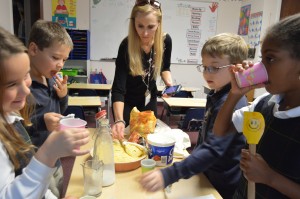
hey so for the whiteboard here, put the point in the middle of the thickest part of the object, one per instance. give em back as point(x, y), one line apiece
point(189, 23)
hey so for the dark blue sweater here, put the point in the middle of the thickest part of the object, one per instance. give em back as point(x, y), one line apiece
point(46, 101)
point(217, 157)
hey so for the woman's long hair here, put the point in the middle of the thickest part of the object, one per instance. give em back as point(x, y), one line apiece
point(134, 43)
point(13, 142)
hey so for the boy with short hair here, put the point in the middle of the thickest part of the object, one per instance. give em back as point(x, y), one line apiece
point(48, 49)
point(217, 158)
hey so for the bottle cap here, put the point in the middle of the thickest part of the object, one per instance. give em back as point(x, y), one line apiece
point(100, 114)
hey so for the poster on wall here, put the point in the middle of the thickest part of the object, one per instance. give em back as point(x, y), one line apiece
point(244, 20)
point(64, 12)
point(255, 25)
point(197, 23)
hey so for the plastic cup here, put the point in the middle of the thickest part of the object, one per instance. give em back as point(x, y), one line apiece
point(147, 165)
point(254, 75)
point(72, 123)
point(92, 177)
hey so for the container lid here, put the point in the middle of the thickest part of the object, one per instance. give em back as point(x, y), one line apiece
point(160, 140)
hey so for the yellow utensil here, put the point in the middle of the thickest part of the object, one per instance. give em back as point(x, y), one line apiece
point(253, 128)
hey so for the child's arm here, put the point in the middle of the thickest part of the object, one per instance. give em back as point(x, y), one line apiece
point(62, 143)
point(223, 123)
point(256, 169)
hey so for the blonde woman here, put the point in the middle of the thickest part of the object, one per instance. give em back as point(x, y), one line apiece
point(143, 55)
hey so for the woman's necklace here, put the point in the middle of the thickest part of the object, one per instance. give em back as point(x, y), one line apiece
point(148, 74)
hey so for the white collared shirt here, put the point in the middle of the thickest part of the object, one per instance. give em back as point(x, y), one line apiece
point(13, 117)
point(238, 115)
point(32, 183)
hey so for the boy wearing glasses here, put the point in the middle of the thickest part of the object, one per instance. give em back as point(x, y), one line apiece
point(218, 158)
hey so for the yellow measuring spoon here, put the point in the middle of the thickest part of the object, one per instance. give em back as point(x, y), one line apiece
point(253, 128)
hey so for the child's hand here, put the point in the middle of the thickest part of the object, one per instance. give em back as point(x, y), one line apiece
point(61, 86)
point(152, 181)
point(52, 120)
point(61, 144)
point(255, 167)
point(235, 89)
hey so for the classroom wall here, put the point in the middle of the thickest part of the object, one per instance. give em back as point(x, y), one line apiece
point(187, 75)
point(6, 15)
point(271, 14)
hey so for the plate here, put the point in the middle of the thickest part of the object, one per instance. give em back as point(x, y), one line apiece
point(127, 166)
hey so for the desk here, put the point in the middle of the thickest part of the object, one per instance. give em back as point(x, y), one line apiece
point(101, 87)
point(185, 102)
point(189, 89)
point(104, 87)
point(84, 101)
point(174, 104)
point(126, 185)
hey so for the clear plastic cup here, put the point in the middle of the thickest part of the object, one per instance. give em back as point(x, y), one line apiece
point(93, 177)
point(147, 165)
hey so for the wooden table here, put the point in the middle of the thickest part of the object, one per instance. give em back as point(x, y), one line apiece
point(174, 105)
point(84, 101)
point(127, 186)
point(185, 102)
point(90, 86)
point(99, 87)
point(189, 89)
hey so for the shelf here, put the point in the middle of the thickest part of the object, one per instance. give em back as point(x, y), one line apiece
point(79, 64)
point(81, 41)
point(79, 57)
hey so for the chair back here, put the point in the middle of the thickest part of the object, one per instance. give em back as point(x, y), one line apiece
point(183, 94)
point(87, 92)
point(193, 119)
point(77, 110)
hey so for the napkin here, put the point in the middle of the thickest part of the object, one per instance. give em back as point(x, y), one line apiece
point(182, 142)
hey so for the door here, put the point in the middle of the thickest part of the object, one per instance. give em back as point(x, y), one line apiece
point(289, 7)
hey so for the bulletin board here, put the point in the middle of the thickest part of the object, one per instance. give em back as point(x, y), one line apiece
point(189, 23)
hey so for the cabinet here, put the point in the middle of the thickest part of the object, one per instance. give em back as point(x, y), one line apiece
point(79, 57)
point(83, 67)
point(81, 41)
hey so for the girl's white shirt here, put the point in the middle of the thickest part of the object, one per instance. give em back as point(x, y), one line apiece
point(31, 184)
point(238, 115)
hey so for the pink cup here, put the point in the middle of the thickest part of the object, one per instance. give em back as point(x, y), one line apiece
point(72, 123)
point(254, 75)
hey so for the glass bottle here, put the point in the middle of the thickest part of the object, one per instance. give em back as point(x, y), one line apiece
point(103, 150)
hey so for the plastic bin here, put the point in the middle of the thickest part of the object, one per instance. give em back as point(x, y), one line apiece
point(70, 72)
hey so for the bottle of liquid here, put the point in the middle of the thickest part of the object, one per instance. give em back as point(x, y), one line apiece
point(103, 150)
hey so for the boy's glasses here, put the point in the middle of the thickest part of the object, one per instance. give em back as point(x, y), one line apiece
point(210, 69)
point(153, 3)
